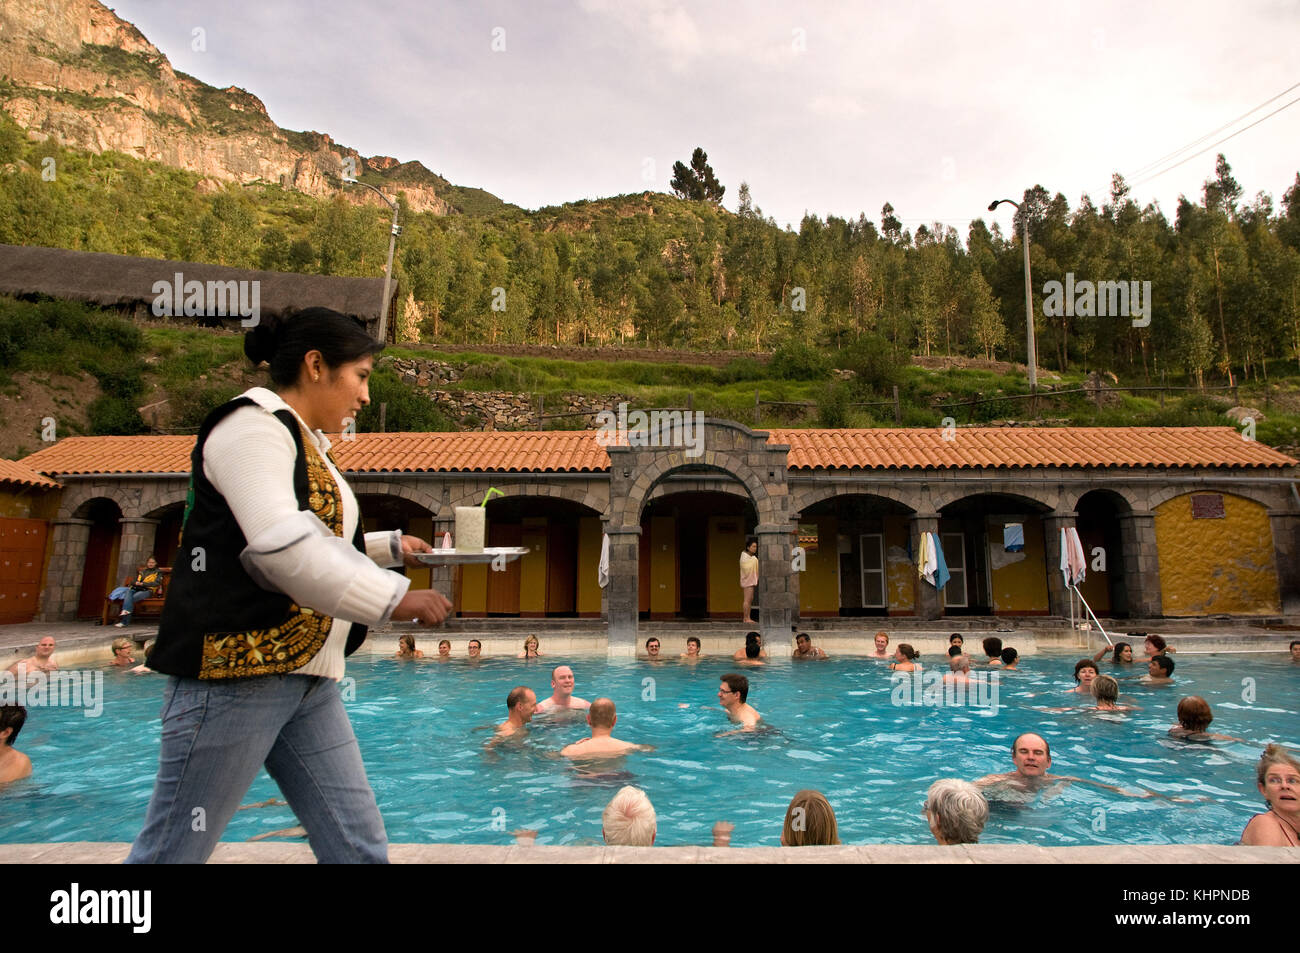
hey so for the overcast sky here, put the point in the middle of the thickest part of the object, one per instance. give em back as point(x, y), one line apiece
point(829, 108)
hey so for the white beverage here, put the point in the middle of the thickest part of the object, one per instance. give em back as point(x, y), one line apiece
point(470, 525)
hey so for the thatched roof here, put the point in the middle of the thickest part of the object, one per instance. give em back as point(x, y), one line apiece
point(125, 282)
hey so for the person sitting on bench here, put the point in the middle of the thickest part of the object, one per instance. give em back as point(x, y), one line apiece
point(147, 583)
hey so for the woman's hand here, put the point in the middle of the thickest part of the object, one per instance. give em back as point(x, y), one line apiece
point(425, 606)
point(412, 545)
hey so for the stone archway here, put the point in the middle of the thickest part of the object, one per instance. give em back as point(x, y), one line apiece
point(722, 446)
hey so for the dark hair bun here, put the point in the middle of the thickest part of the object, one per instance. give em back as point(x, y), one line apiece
point(261, 341)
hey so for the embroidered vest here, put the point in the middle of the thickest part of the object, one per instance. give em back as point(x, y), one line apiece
point(217, 623)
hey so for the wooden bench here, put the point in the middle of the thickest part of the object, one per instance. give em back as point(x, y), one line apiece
point(150, 607)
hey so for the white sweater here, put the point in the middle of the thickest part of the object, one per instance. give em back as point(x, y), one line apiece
point(249, 457)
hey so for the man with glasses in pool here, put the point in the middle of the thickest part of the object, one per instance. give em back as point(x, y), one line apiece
point(652, 649)
point(732, 695)
point(562, 697)
point(475, 648)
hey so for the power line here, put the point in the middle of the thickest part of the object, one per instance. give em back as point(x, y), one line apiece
point(1216, 144)
point(1151, 165)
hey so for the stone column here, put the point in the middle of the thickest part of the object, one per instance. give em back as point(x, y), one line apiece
point(138, 538)
point(1141, 564)
point(68, 541)
point(1058, 596)
point(777, 593)
point(926, 597)
point(442, 576)
point(1286, 548)
point(619, 598)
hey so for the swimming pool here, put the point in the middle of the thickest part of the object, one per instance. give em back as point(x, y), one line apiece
point(832, 726)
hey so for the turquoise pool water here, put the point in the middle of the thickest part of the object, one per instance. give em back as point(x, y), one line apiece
point(832, 726)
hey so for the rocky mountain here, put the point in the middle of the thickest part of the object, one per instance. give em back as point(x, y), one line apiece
point(74, 70)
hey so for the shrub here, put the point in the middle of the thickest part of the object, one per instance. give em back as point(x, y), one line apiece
point(114, 416)
point(796, 361)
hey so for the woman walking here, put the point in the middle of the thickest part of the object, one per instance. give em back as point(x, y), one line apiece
point(275, 586)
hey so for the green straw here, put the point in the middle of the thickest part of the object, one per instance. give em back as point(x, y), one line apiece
point(488, 495)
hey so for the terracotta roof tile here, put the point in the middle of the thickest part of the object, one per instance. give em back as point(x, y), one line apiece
point(1026, 447)
point(579, 451)
point(14, 472)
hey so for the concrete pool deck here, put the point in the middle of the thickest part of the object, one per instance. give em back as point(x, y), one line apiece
point(82, 642)
point(299, 853)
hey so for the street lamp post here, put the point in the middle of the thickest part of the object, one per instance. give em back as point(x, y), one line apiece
point(388, 271)
point(1029, 297)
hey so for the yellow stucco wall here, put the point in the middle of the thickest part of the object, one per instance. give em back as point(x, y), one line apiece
point(724, 564)
point(663, 564)
point(901, 571)
point(532, 566)
point(473, 587)
point(1020, 586)
point(1209, 566)
point(819, 588)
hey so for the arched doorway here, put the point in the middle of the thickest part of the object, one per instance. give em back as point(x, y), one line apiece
point(100, 567)
point(690, 552)
point(995, 548)
point(856, 560)
point(1100, 532)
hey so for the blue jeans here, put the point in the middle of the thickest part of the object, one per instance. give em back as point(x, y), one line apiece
point(128, 596)
point(216, 735)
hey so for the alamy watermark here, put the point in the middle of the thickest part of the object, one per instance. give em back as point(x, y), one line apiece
point(194, 298)
point(656, 428)
point(941, 690)
point(70, 689)
point(1104, 299)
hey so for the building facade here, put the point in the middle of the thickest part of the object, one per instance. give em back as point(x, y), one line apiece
point(1173, 521)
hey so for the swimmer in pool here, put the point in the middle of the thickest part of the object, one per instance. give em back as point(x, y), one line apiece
point(532, 648)
point(993, 649)
point(42, 661)
point(602, 717)
point(1120, 654)
point(1295, 651)
point(1194, 717)
point(882, 645)
point(1032, 756)
point(752, 650)
point(692, 649)
point(14, 765)
point(804, 649)
point(562, 697)
point(475, 648)
point(1085, 670)
point(520, 705)
point(732, 695)
point(1160, 671)
point(959, 673)
point(444, 651)
point(1010, 659)
point(751, 639)
point(122, 656)
point(905, 658)
point(956, 640)
point(1278, 779)
point(652, 650)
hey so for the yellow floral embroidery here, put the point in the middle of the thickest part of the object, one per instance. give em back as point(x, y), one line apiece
point(295, 641)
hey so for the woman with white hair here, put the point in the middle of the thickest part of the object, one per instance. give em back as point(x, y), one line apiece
point(956, 811)
point(629, 819)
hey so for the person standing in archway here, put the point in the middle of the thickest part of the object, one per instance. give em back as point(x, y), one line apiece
point(749, 578)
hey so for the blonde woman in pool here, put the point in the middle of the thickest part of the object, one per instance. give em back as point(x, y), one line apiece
point(1278, 778)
